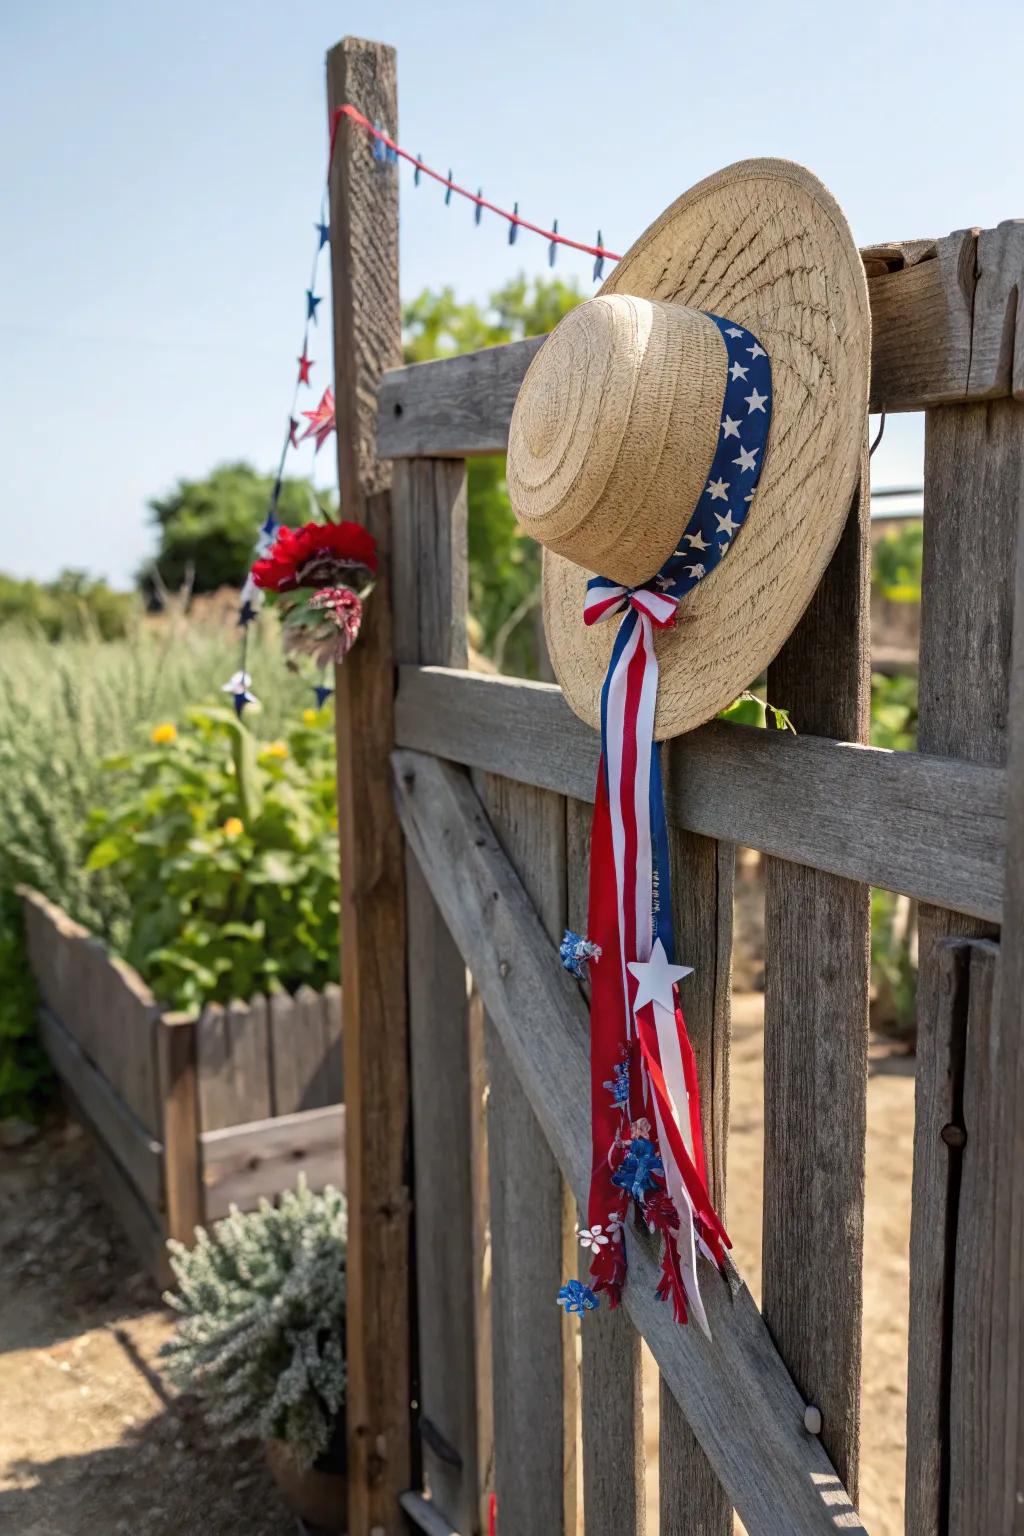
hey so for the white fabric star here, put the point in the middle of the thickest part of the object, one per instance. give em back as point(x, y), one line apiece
point(746, 458)
point(734, 330)
point(757, 350)
point(657, 979)
point(725, 524)
point(695, 570)
point(737, 371)
point(729, 427)
point(664, 582)
point(696, 540)
point(755, 402)
point(718, 490)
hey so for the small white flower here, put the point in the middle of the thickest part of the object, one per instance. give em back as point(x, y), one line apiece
point(615, 1226)
point(593, 1237)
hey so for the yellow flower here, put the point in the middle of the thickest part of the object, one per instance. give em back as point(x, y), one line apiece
point(233, 827)
point(275, 749)
point(310, 716)
point(164, 733)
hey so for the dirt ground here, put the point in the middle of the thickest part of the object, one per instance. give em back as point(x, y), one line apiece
point(92, 1443)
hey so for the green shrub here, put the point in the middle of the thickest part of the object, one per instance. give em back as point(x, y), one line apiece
point(226, 852)
point(73, 606)
point(262, 1336)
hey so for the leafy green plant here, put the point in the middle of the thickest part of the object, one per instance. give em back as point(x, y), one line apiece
point(262, 1336)
point(894, 712)
point(226, 851)
point(63, 709)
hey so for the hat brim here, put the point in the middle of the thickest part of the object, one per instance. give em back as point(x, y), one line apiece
point(765, 244)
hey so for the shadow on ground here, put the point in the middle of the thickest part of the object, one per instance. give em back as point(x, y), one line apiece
point(92, 1440)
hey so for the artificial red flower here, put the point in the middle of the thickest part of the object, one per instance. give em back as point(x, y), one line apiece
point(345, 610)
point(317, 555)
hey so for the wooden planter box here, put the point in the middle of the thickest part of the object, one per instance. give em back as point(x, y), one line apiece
point(190, 1114)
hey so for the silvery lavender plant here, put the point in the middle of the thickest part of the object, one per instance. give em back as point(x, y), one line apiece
point(262, 1301)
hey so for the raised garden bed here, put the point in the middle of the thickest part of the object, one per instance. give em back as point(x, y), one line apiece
point(190, 1114)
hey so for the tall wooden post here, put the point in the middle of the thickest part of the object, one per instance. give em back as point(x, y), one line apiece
point(179, 1099)
point(367, 340)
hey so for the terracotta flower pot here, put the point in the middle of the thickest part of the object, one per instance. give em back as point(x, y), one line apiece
point(318, 1494)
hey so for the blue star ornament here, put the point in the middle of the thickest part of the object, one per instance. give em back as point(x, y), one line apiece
point(312, 300)
point(324, 233)
point(322, 693)
point(577, 1297)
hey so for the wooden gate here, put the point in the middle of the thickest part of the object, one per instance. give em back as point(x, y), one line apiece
point(462, 1371)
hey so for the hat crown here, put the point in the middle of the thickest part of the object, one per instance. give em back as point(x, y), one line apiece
point(614, 432)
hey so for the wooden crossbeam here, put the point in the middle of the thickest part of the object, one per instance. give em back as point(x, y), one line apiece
point(735, 1390)
point(944, 322)
point(930, 827)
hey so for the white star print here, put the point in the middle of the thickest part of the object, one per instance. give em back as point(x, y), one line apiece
point(749, 496)
point(729, 427)
point(746, 459)
point(695, 570)
point(737, 371)
point(664, 582)
point(723, 547)
point(696, 541)
point(717, 490)
point(734, 330)
point(757, 350)
point(725, 524)
point(755, 402)
point(657, 979)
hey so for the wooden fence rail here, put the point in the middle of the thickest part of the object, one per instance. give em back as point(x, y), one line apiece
point(492, 781)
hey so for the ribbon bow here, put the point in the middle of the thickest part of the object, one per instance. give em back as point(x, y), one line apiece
point(645, 1101)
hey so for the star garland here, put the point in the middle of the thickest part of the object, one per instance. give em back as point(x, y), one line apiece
point(322, 419)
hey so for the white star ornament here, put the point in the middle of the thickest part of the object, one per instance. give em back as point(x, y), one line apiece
point(657, 979)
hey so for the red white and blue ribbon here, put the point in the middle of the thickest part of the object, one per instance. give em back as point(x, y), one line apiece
point(645, 1101)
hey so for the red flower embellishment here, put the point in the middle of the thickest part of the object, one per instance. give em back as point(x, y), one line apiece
point(318, 555)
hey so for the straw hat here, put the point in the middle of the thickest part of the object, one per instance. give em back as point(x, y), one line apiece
point(620, 415)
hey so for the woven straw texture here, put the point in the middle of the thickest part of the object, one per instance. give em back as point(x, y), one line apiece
point(764, 244)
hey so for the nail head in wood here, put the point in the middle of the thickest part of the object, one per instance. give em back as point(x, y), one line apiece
point(954, 1135)
point(812, 1419)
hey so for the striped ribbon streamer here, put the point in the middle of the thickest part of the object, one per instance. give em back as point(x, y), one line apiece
point(647, 1138)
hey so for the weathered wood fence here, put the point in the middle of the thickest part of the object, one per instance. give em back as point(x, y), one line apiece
point(189, 1114)
point(491, 780)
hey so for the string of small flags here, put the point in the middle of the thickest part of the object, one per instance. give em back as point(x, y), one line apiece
point(387, 151)
point(322, 420)
point(321, 424)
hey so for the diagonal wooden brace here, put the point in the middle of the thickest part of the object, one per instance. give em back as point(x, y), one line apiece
point(735, 1390)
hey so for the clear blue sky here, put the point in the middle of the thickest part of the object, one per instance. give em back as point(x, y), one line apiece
point(162, 162)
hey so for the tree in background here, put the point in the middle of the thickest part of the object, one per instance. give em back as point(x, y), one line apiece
point(504, 568)
point(207, 528)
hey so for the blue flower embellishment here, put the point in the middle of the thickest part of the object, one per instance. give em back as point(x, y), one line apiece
point(618, 1086)
point(639, 1169)
point(577, 1297)
point(574, 952)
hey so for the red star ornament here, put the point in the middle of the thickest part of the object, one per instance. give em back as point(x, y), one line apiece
point(321, 421)
point(305, 364)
